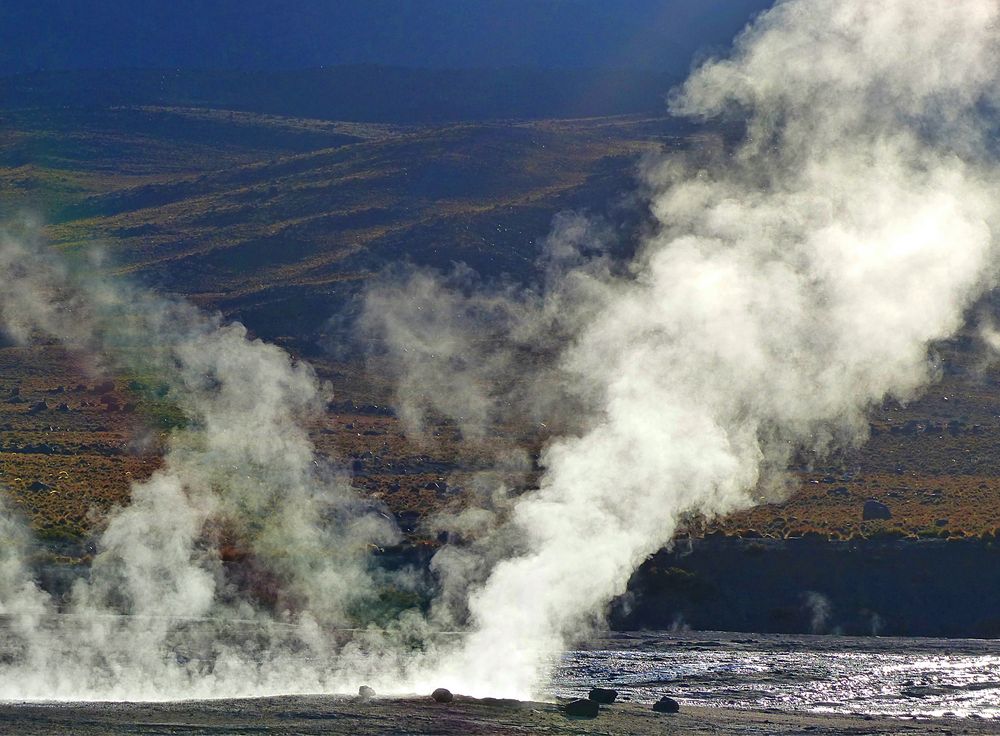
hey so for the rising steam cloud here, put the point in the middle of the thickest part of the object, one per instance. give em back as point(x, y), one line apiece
point(793, 280)
point(242, 472)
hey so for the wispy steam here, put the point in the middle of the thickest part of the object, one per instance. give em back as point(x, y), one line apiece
point(819, 608)
point(242, 473)
point(794, 280)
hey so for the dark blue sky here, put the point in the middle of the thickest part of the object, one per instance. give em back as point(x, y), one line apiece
point(270, 34)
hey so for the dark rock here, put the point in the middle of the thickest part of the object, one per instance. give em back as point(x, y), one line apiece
point(39, 407)
point(109, 402)
point(442, 695)
point(920, 691)
point(39, 486)
point(366, 693)
point(583, 708)
point(875, 510)
point(63, 407)
point(603, 695)
point(408, 521)
point(839, 491)
point(666, 705)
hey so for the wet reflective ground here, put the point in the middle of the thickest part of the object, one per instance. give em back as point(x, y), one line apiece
point(872, 675)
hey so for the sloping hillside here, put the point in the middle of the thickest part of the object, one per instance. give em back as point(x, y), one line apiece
point(279, 221)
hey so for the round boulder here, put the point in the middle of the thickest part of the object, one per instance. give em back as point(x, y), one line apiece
point(582, 708)
point(366, 693)
point(442, 695)
point(666, 705)
point(875, 510)
point(603, 695)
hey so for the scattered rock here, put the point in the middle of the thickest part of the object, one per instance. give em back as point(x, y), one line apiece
point(63, 407)
point(666, 705)
point(39, 407)
point(442, 695)
point(603, 695)
point(875, 510)
point(582, 708)
point(366, 693)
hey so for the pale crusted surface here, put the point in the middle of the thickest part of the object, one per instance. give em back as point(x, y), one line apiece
point(465, 717)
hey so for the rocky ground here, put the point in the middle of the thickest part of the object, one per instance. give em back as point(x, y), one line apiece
point(468, 717)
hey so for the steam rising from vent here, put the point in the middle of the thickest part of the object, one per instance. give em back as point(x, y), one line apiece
point(793, 280)
point(241, 472)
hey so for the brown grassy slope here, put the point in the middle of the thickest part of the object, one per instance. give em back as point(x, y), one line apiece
point(58, 160)
point(267, 225)
point(290, 236)
point(278, 221)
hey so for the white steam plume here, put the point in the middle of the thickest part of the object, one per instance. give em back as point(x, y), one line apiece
point(159, 616)
point(793, 282)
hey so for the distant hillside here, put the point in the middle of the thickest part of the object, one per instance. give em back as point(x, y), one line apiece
point(358, 93)
point(280, 221)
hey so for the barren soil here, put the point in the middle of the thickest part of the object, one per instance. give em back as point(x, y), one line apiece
point(465, 717)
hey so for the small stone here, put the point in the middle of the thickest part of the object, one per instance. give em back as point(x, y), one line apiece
point(603, 695)
point(583, 708)
point(366, 693)
point(874, 510)
point(666, 705)
point(442, 695)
